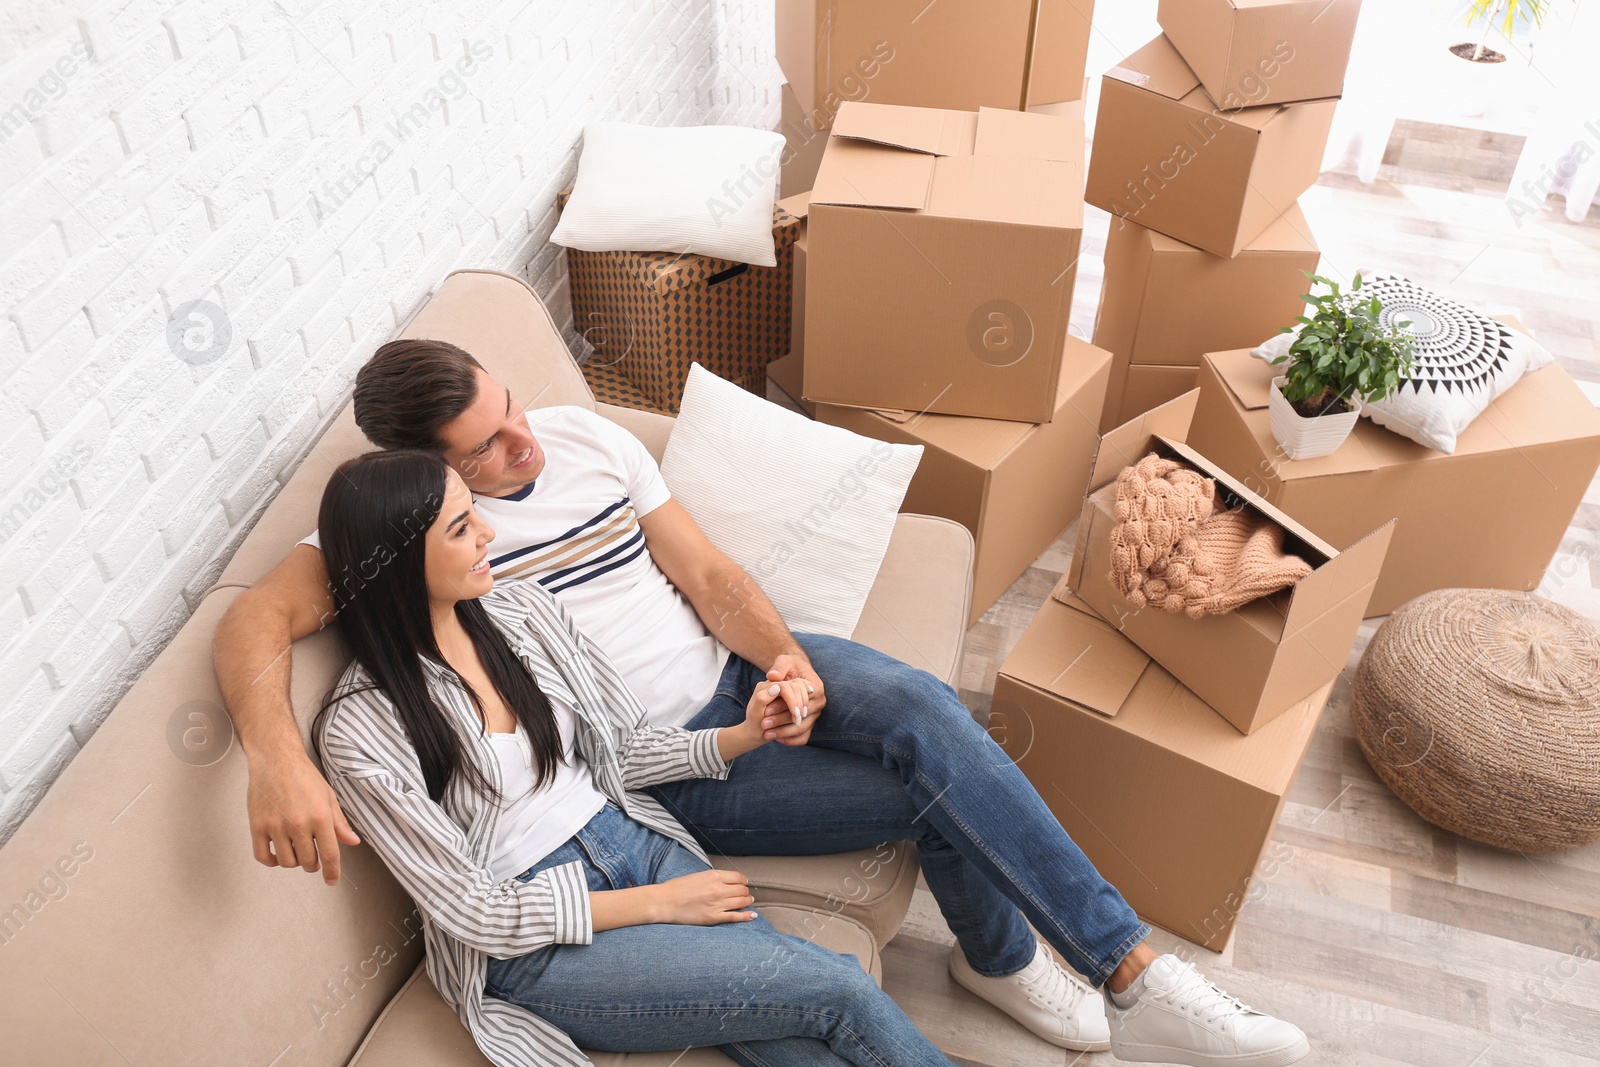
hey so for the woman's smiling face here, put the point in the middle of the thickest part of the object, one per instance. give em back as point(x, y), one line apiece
point(457, 547)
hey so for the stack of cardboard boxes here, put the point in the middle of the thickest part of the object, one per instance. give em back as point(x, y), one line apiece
point(1490, 515)
point(1205, 139)
point(1165, 744)
point(935, 268)
point(940, 253)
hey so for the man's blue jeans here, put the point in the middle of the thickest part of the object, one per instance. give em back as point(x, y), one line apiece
point(896, 756)
point(765, 998)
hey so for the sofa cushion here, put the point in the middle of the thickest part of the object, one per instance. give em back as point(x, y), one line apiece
point(145, 922)
point(917, 609)
point(806, 509)
point(418, 1029)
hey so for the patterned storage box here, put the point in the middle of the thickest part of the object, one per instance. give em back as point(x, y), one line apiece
point(648, 315)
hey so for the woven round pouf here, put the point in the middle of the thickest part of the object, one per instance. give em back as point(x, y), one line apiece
point(1481, 709)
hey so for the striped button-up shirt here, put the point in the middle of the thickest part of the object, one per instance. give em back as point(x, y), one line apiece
point(440, 852)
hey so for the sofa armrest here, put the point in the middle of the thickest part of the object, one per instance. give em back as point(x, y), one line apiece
point(651, 427)
point(917, 608)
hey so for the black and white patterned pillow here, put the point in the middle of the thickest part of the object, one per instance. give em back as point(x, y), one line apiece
point(1464, 360)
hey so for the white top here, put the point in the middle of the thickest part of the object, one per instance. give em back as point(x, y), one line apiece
point(575, 530)
point(532, 823)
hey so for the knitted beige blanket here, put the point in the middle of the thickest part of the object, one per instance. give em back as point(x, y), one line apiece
point(1175, 549)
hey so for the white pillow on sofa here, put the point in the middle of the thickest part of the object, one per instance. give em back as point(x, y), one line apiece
point(806, 509)
point(702, 189)
point(1465, 360)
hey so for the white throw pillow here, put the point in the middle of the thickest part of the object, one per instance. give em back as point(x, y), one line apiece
point(806, 509)
point(1465, 360)
point(701, 189)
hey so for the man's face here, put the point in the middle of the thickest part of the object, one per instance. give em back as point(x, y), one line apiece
point(490, 444)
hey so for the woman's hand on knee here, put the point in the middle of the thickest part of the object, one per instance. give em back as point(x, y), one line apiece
point(705, 898)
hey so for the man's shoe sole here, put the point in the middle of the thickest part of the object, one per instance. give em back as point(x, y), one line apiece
point(1059, 1042)
point(1167, 1054)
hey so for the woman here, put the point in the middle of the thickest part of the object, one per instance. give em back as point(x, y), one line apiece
point(494, 758)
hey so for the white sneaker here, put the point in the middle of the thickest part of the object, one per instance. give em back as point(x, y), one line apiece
point(1182, 1018)
point(1055, 1004)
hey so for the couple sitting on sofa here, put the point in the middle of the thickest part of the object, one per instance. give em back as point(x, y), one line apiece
point(541, 737)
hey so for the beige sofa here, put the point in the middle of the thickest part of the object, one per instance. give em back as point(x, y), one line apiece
point(135, 926)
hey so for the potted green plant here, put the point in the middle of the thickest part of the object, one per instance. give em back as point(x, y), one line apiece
point(1342, 356)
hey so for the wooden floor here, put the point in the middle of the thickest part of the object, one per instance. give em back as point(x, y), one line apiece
point(1387, 940)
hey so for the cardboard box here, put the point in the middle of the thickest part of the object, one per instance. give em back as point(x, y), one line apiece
point(1252, 663)
point(1248, 52)
point(1001, 53)
point(1174, 806)
point(1007, 482)
point(1165, 303)
point(943, 251)
point(803, 142)
point(1135, 389)
point(787, 373)
point(649, 315)
point(1167, 157)
point(1491, 516)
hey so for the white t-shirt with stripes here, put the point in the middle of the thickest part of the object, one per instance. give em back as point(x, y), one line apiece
point(576, 531)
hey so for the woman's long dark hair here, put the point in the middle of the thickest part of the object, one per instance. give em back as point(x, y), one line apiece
point(375, 513)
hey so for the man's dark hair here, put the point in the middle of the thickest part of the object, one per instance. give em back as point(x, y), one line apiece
point(410, 388)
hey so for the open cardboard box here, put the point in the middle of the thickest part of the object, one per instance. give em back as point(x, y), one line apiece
point(942, 255)
point(1002, 480)
point(1167, 157)
point(1250, 52)
point(1252, 663)
point(1491, 516)
point(1001, 53)
point(1137, 387)
point(1172, 804)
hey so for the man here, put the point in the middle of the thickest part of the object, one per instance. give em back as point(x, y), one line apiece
point(869, 749)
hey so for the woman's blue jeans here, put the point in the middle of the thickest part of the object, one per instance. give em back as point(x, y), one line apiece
point(896, 756)
point(764, 998)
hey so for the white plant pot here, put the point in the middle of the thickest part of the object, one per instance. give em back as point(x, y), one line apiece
point(1303, 438)
point(1473, 87)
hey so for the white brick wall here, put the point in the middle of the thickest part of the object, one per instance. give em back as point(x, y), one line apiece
point(155, 153)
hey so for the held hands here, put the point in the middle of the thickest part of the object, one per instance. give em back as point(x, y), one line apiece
point(735, 741)
point(705, 898)
point(803, 699)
